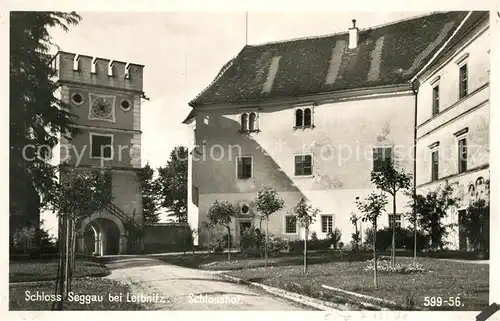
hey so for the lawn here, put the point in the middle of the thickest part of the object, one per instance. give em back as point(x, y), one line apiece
point(22, 297)
point(219, 262)
point(442, 279)
point(43, 270)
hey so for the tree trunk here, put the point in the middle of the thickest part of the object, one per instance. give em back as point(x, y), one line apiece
point(228, 243)
point(415, 237)
point(393, 252)
point(266, 241)
point(305, 250)
point(67, 258)
point(375, 254)
point(73, 252)
point(60, 271)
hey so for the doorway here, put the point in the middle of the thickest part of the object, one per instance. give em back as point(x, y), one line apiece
point(245, 226)
point(462, 236)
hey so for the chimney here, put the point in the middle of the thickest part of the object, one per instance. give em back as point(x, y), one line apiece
point(353, 35)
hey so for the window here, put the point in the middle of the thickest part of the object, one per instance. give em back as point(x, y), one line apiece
point(303, 165)
point(244, 167)
point(248, 122)
point(462, 232)
point(326, 223)
point(77, 99)
point(101, 146)
point(252, 122)
point(290, 224)
point(463, 81)
point(462, 155)
point(125, 105)
point(435, 100)
point(398, 220)
point(299, 118)
point(307, 117)
point(380, 156)
point(303, 118)
point(435, 166)
point(244, 122)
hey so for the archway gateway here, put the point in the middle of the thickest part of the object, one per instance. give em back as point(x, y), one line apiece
point(102, 234)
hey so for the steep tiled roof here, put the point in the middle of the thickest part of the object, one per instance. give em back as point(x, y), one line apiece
point(189, 117)
point(385, 55)
point(472, 21)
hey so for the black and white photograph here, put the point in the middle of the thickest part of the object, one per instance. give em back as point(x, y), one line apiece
point(250, 160)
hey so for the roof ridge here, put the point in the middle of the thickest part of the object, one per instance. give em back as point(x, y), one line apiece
point(345, 32)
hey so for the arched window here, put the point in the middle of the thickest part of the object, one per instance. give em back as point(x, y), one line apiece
point(252, 122)
point(307, 117)
point(244, 122)
point(299, 119)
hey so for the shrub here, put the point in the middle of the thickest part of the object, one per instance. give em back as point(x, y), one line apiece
point(297, 246)
point(384, 265)
point(355, 240)
point(314, 236)
point(253, 244)
point(24, 240)
point(250, 243)
point(275, 244)
point(404, 239)
point(334, 237)
point(218, 243)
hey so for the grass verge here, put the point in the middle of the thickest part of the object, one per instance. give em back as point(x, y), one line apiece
point(219, 261)
point(23, 297)
point(45, 270)
point(443, 279)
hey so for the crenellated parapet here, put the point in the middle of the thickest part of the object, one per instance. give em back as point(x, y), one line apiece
point(88, 70)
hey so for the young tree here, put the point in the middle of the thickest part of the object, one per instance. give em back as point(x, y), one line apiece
point(221, 214)
point(173, 184)
point(430, 210)
point(306, 215)
point(150, 193)
point(37, 116)
point(372, 207)
point(268, 202)
point(391, 179)
point(78, 195)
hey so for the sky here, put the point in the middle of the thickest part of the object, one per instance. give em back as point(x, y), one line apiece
point(183, 52)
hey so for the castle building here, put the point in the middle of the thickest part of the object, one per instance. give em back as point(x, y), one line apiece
point(453, 112)
point(312, 118)
point(106, 97)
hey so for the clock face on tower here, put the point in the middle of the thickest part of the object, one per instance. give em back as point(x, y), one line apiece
point(102, 107)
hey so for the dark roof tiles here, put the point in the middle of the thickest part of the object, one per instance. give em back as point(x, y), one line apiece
point(385, 55)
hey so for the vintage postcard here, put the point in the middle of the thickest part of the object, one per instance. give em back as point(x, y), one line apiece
point(209, 160)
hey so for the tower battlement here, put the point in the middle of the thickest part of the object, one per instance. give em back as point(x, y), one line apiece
point(88, 70)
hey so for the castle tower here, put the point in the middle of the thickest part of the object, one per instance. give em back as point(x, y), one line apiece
point(106, 97)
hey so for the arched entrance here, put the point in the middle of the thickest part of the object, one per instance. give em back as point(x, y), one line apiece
point(102, 234)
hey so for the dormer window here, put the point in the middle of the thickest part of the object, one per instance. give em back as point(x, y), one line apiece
point(304, 118)
point(249, 122)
